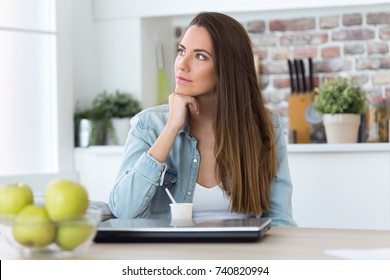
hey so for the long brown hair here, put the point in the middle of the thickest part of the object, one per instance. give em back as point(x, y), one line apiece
point(244, 136)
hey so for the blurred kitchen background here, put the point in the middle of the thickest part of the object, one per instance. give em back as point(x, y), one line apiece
point(57, 55)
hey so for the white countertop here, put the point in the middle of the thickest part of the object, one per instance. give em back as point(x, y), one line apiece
point(337, 148)
point(283, 243)
point(292, 148)
point(101, 150)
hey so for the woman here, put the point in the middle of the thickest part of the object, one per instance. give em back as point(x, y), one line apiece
point(215, 144)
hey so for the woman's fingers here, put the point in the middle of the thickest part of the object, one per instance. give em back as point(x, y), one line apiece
point(194, 107)
point(179, 105)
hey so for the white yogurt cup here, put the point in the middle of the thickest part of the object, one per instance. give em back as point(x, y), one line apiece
point(181, 211)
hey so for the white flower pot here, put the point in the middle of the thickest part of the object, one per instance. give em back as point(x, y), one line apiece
point(341, 128)
point(121, 128)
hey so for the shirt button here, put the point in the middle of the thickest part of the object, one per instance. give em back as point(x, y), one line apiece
point(195, 160)
point(189, 193)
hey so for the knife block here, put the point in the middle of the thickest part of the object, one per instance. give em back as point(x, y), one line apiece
point(297, 104)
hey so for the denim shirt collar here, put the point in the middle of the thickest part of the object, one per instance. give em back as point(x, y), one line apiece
point(186, 130)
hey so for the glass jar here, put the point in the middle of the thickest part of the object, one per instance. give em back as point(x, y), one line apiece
point(377, 119)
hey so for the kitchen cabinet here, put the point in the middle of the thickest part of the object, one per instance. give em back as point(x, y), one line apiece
point(341, 185)
point(335, 185)
point(97, 168)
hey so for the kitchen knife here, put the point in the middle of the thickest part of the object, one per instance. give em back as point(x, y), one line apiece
point(291, 71)
point(311, 81)
point(303, 75)
point(297, 71)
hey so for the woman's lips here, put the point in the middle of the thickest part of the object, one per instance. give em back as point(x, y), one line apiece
point(182, 79)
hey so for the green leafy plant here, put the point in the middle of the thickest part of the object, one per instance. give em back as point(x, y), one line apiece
point(123, 105)
point(104, 107)
point(340, 96)
point(99, 111)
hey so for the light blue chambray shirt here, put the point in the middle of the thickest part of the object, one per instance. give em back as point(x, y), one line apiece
point(139, 187)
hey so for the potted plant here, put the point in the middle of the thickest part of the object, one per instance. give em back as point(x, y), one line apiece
point(90, 126)
point(107, 121)
point(341, 102)
point(122, 108)
point(93, 123)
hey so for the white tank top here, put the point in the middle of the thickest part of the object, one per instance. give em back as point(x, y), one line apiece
point(212, 203)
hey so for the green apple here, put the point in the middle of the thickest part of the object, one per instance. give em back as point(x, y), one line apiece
point(14, 197)
point(69, 236)
point(65, 200)
point(32, 227)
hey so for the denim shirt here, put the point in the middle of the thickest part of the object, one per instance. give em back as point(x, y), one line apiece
point(139, 189)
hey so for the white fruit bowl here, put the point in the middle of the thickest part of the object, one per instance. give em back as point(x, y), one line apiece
point(70, 238)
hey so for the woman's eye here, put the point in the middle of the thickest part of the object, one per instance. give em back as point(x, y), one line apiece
point(180, 51)
point(200, 56)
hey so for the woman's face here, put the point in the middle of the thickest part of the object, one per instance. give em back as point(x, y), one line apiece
point(194, 64)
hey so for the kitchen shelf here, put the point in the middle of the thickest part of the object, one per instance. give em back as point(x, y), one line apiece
point(101, 150)
point(291, 148)
point(335, 148)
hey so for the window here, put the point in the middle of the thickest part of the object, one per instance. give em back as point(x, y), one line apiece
point(28, 87)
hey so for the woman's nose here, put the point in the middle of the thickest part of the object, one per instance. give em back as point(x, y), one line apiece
point(182, 63)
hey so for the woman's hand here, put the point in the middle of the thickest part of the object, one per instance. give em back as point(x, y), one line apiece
point(178, 106)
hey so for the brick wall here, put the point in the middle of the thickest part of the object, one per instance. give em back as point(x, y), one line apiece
point(353, 45)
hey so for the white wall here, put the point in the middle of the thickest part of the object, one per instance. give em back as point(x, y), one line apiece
point(105, 54)
point(117, 45)
point(65, 86)
point(155, 30)
point(85, 58)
